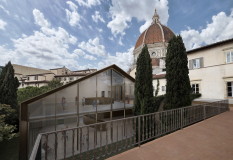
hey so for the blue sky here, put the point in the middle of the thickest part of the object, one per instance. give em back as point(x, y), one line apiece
point(82, 34)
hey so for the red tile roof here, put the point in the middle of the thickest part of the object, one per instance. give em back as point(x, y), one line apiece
point(160, 76)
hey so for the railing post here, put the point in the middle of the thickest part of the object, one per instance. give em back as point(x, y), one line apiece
point(181, 118)
point(139, 134)
point(204, 112)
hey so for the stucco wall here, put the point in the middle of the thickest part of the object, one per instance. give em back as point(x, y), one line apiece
point(162, 82)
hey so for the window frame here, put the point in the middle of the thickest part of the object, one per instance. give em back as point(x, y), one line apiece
point(227, 89)
point(195, 60)
point(195, 88)
point(230, 56)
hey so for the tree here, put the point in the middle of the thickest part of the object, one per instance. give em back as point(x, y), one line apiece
point(6, 129)
point(54, 83)
point(143, 92)
point(157, 88)
point(178, 84)
point(8, 90)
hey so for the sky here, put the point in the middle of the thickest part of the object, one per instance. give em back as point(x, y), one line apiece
point(81, 34)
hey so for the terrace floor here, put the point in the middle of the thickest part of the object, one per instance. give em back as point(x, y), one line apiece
point(208, 139)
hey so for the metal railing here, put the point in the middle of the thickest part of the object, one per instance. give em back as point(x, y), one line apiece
point(106, 138)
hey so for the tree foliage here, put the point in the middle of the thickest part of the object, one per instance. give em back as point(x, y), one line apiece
point(178, 87)
point(143, 92)
point(8, 92)
point(6, 130)
point(157, 88)
point(30, 91)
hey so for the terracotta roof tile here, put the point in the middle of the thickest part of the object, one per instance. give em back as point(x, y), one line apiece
point(160, 76)
point(140, 40)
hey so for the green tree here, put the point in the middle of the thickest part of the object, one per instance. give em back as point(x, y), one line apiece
point(178, 87)
point(8, 90)
point(157, 88)
point(143, 92)
point(54, 83)
point(6, 130)
point(30, 91)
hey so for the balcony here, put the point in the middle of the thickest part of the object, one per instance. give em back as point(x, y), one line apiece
point(142, 133)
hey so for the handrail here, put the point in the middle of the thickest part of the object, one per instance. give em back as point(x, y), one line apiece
point(148, 126)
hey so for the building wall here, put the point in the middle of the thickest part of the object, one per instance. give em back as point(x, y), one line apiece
point(132, 73)
point(162, 82)
point(212, 56)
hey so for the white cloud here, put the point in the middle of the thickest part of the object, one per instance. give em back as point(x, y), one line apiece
point(90, 27)
point(2, 24)
point(79, 52)
point(73, 17)
point(93, 47)
point(90, 57)
point(16, 16)
point(39, 18)
point(120, 42)
point(47, 48)
point(123, 60)
point(123, 11)
point(89, 3)
point(111, 38)
point(97, 17)
point(5, 10)
point(99, 29)
point(24, 35)
point(220, 29)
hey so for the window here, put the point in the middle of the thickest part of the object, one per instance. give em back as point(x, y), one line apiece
point(229, 57)
point(195, 88)
point(196, 63)
point(22, 84)
point(28, 78)
point(71, 78)
point(36, 78)
point(103, 94)
point(64, 78)
point(153, 54)
point(229, 89)
point(163, 88)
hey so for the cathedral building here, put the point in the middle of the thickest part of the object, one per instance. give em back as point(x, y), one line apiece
point(156, 37)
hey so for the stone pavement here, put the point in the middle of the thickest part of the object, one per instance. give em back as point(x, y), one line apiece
point(211, 139)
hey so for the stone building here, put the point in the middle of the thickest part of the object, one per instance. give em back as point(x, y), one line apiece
point(29, 76)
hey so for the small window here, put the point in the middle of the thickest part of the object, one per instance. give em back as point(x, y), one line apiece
point(28, 78)
point(195, 88)
point(229, 89)
point(196, 63)
point(229, 57)
point(71, 78)
point(36, 78)
point(64, 78)
point(163, 88)
point(103, 94)
point(22, 84)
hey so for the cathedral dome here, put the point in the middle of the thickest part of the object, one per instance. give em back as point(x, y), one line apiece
point(155, 33)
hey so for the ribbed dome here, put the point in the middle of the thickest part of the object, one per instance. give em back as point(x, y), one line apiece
point(155, 33)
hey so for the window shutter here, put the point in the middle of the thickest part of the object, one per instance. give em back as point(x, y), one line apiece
point(201, 62)
point(190, 64)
